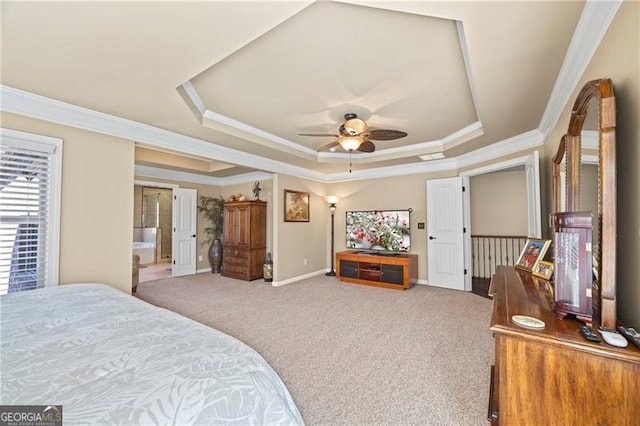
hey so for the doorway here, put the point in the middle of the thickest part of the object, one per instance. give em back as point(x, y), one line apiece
point(157, 213)
point(152, 232)
point(530, 190)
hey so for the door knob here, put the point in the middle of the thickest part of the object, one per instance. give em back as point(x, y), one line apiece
point(193, 236)
point(432, 238)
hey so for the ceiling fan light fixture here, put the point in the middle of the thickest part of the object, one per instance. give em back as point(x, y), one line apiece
point(355, 126)
point(350, 143)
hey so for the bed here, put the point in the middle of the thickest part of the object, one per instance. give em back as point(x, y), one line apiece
point(109, 358)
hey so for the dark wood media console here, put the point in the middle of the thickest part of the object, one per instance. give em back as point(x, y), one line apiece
point(397, 271)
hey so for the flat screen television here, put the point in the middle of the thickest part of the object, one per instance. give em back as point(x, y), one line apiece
point(385, 231)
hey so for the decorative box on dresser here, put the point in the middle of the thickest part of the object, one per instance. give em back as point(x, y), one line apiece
point(554, 376)
point(245, 239)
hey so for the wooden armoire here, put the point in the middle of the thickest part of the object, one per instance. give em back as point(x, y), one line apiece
point(244, 239)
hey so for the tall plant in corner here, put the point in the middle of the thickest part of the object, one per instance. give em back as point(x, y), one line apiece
point(212, 208)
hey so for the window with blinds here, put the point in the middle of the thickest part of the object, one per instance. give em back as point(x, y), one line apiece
point(29, 199)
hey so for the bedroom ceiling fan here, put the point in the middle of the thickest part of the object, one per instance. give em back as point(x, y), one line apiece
point(354, 135)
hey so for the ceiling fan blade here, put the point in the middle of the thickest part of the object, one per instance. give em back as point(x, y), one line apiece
point(367, 146)
point(319, 134)
point(385, 134)
point(328, 146)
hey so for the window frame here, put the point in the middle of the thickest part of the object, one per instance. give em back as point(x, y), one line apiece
point(53, 147)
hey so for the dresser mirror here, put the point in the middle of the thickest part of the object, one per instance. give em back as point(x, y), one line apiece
point(583, 173)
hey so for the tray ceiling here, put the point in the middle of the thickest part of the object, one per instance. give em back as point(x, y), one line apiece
point(234, 83)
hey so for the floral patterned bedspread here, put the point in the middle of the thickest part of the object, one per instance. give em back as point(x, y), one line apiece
point(109, 358)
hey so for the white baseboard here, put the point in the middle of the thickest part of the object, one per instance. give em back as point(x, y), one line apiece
point(298, 278)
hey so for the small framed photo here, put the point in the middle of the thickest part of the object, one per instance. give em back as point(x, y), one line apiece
point(543, 269)
point(296, 206)
point(532, 252)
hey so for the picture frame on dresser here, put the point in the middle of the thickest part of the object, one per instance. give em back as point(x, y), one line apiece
point(543, 269)
point(532, 252)
point(296, 206)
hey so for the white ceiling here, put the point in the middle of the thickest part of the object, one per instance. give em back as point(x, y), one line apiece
point(232, 84)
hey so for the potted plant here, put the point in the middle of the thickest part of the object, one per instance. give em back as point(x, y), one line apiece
point(212, 209)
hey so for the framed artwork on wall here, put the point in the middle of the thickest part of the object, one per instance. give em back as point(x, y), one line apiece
point(296, 206)
point(532, 252)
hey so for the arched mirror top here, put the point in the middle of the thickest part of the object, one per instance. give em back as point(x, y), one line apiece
point(592, 123)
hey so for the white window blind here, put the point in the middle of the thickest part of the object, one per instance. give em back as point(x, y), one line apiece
point(29, 193)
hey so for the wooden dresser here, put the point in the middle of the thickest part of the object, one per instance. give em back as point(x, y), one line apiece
point(245, 239)
point(554, 376)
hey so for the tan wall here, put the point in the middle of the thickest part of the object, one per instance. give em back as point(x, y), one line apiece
point(392, 193)
point(96, 225)
point(498, 203)
point(618, 58)
point(297, 241)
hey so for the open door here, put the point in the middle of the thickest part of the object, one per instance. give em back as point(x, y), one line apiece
point(445, 228)
point(184, 232)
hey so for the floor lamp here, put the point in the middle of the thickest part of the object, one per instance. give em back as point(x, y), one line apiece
point(333, 201)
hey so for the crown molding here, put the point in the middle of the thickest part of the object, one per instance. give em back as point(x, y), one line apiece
point(223, 123)
point(153, 184)
point(35, 106)
point(245, 129)
point(246, 178)
point(589, 139)
point(191, 93)
point(180, 176)
point(529, 140)
point(39, 107)
point(594, 22)
point(175, 175)
point(519, 143)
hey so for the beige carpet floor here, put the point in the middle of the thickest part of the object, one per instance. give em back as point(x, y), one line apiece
point(352, 354)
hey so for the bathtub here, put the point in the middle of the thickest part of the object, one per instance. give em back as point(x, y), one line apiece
point(146, 251)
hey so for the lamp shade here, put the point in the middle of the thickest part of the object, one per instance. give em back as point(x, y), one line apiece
point(355, 126)
point(331, 199)
point(350, 143)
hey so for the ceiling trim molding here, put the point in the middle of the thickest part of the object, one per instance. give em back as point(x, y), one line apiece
point(208, 115)
point(514, 162)
point(594, 22)
point(528, 140)
point(460, 136)
point(389, 171)
point(175, 175)
point(467, 64)
point(262, 134)
point(519, 143)
point(152, 184)
point(35, 106)
point(180, 176)
point(590, 139)
point(191, 93)
point(42, 108)
point(246, 178)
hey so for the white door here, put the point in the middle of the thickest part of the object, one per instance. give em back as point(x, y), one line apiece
point(184, 232)
point(445, 250)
